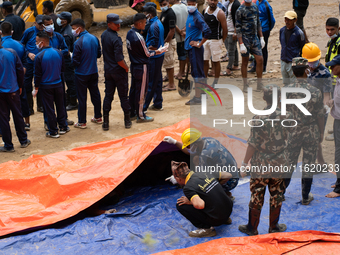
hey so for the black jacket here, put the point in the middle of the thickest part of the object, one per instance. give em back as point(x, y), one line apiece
point(234, 8)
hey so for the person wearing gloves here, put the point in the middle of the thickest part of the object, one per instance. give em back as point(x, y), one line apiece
point(248, 30)
point(204, 204)
point(217, 22)
point(292, 41)
point(267, 147)
point(207, 151)
point(197, 33)
point(319, 77)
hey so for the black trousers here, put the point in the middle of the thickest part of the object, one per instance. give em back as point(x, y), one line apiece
point(336, 130)
point(70, 79)
point(117, 80)
point(51, 97)
point(28, 84)
point(138, 89)
point(199, 218)
point(10, 102)
point(84, 83)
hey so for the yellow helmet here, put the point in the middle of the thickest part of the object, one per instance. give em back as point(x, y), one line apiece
point(311, 52)
point(190, 136)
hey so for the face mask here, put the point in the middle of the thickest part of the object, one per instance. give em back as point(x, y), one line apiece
point(59, 22)
point(333, 36)
point(165, 8)
point(49, 29)
point(192, 150)
point(74, 32)
point(247, 1)
point(314, 65)
point(38, 46)
point(191, 9)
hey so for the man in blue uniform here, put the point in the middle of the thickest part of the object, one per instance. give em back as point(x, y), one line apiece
point(8, 42)
point(28, 40)
point(116, 70)
point(64, 20)
point(48, 65)
point(195, 26)
point(17, 22)
point(86, 51)
point(154, 40)
point(139, 56)
point(11, 83)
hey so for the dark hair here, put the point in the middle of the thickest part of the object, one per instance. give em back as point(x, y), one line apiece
point(8, 9)
point(151, 10)
point(191, 1)
point(138, 17)
point(299, 70)
point(332, 22)
point(78, 22)
point(6, 28)
point(49, 6)
point(46, 17)
point(161, 1)
point(43, 35)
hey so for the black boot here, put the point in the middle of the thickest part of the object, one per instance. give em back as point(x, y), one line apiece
point(253, 222)
point(73, 104)
point(127, 120)
point(105, 125)
point(274, 219)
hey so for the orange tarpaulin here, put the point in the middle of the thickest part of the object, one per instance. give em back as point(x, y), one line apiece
point(42, 190)
point(300, 242)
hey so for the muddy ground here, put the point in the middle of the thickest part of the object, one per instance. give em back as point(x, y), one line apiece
point(174, 108)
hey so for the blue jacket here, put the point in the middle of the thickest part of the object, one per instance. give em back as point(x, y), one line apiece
point(295, 44)
point(194, 27)
point(138, 52)
point(57, 41)
point(263, 13)
point(9, 42)
point(48, 65)
point(11, 71)
point(28, 40)
point(86, 51)
point(155, 36)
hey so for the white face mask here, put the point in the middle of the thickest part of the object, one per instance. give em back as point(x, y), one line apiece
point(39, 46)
point(247, 1)
point(49, 29)
point(191, 9)
point(74, 32)
point(333, 36)
point(314, 65)
point(165, 8)
point(59, 22)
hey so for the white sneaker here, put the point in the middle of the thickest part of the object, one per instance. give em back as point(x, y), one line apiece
point(203, 232)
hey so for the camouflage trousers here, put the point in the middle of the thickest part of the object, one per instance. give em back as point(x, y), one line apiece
point(258, 189)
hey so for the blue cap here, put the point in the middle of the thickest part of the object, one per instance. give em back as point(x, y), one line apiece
point(150, 4)
point(66, 16)
point(334, 62)
point(113, 18)
point(6, 4)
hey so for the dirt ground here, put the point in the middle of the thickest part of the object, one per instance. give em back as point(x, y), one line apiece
point(173, 104)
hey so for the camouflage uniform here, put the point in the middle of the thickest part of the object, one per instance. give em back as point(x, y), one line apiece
point(269, 141)
point(247, 26)
point(215, 154)
point(306, 134)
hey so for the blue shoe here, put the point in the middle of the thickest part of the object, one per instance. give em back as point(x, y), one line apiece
point(146, 119)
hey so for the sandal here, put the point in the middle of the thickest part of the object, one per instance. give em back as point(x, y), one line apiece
point(235, 68)
point(165, 89)
point(211, 74)
point(165, 78)
point(225, 58)
point(224, 73)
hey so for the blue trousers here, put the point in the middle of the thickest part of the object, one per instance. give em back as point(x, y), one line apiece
point(11, 102)
point(117, 80)
point(51, 97)
point(196, 58)
point(138, 89)
point(84, 83)
point(155, 83)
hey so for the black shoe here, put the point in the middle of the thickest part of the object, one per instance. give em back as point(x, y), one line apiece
point(308, 200)
point(69, 122)
point(24, 145)
point(27, 126)
point(48, 134)
point(64, 130)
point(194, 101)
point(40, 109)
point(72, 107)
point(4, 149)
point(127, 120)
point(105, 125)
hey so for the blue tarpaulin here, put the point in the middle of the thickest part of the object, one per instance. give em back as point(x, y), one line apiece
point(148, 222)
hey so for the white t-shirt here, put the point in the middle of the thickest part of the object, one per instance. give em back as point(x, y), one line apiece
point(181, 13)
point(230, 23)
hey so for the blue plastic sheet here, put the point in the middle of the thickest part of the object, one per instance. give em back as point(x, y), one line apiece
point(148, 222)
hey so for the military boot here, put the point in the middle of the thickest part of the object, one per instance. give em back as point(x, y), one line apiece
point(274, 219)
point(105, 125)
point(127, 120)
point(253, 222)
